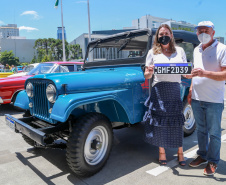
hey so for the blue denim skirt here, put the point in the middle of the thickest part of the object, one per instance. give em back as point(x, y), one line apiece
point(164, 118)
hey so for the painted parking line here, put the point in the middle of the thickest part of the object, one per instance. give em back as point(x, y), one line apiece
point(223, 138)
point(160, 169)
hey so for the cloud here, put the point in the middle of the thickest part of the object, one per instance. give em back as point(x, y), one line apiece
point(1, 22)
point(33, 13)
point(81, 2)
point(29, 29)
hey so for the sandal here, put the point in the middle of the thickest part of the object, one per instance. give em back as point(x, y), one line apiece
point(182, 163)
point(162, 162)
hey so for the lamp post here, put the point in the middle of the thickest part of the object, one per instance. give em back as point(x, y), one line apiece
point(64, 57)
point(88, 20)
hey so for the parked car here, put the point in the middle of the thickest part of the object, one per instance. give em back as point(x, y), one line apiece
point(3, 73)
point(26, 70)
point(84, 107)
point(20, 69)
point(11, 86)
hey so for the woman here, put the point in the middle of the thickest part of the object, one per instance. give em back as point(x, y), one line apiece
point(164, 119)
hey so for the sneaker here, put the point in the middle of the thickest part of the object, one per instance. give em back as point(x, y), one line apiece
point(210, 168)
point(197, 162)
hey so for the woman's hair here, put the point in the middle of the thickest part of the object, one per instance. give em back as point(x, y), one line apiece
point(156, 45)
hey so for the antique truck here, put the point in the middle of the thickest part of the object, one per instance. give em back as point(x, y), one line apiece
point(84, 107)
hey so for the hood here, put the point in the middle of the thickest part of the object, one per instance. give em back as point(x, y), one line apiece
point(18, 74)
point(17, 80)
point(96, 80)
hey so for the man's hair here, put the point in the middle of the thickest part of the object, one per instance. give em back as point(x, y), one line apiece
point(156, 45)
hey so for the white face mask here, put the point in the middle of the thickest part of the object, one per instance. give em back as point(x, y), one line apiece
point(204, 38)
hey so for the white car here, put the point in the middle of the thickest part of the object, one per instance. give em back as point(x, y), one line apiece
point(26, 70)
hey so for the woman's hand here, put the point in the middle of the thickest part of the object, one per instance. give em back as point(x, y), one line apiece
point(149, 70)
point(188, 76)
point(189, 97)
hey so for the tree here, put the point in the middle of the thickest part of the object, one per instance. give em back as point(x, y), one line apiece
point(51, 49)
point(46, 58)
point(75, 51)
point(7, 57)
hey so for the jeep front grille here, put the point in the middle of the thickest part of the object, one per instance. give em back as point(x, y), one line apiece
point(40, 102)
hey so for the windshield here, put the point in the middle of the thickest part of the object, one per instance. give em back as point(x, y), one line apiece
point(28, 68)
point(118, 48)
point(42, 69)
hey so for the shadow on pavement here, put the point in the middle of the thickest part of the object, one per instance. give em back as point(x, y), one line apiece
point(9, 109)
point(128, 154)
point(220, 170)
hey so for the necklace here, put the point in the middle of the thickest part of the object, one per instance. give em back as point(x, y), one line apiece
point(165, 49)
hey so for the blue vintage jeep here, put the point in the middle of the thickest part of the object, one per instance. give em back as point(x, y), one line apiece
point(84, 107)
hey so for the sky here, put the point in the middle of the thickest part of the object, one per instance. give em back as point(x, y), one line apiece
point(39, 19)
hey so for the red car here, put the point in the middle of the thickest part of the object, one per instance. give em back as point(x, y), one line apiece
point(11, 86)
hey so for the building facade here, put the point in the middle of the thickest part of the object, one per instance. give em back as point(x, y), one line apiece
point(83, 39)
point(149, 21)
point(220, 39)
point(59, 33)
point(8, 31)
point(21, 47)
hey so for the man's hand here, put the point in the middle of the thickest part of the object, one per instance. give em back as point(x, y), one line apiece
point(198, 72)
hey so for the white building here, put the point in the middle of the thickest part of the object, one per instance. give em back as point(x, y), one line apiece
point(220, 39)
point(149, 21)
point(21, 47)
point(8, 30)
point(83, 41)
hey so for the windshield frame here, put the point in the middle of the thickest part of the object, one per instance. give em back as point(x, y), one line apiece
point(122, 61)
point(32, 72)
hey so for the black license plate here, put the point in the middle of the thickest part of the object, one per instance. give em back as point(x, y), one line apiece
point(173, 68)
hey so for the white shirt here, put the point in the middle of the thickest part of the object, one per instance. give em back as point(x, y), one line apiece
point(211, 59)
point(177, 57)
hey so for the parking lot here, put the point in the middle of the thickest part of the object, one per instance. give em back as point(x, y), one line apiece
point(131, 161)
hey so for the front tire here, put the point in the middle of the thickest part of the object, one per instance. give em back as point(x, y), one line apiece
point(189, 124)
point(89, 144)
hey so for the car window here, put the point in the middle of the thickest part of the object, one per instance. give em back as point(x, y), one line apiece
point(42, 68)
point(188, 48)
point(28, 68)
point(79, 67)
point(122, 48)
point(70, 67)
point(63, 69)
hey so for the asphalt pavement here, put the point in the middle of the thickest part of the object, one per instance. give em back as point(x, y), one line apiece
point(132, 161)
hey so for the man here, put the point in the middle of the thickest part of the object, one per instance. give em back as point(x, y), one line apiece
point(13, 68)
point(7, 68)
point(206, 96)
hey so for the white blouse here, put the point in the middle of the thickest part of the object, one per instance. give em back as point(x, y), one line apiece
point(178, 57)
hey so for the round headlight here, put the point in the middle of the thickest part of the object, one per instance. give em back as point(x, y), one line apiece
point(51, 93)
point(29, 90)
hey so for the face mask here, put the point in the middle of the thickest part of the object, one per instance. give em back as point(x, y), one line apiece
point(204, 38)
point(164, 40)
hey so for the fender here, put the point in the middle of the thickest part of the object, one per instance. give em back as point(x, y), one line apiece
point(22, 100)
point(65, 104)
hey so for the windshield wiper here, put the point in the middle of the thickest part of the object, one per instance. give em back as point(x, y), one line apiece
point(124, 45)
point(95, 45)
